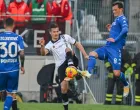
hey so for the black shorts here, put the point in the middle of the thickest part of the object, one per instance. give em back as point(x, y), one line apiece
point(62, 68)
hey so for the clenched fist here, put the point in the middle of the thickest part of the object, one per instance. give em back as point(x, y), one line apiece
point(42, 42)
point(108, 26)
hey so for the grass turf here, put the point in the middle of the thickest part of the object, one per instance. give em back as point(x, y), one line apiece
point(50, 106)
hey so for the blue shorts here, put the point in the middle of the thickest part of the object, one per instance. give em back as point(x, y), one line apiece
point(112, 54)
point(9, 81)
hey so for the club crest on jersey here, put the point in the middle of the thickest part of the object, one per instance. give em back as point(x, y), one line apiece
point(53, 46)
point(115, 60)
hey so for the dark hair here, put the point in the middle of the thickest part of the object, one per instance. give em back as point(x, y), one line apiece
point(9, 22)
point(53, 25)
point(119, 3)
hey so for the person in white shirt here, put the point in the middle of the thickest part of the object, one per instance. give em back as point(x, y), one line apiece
point(60, 47)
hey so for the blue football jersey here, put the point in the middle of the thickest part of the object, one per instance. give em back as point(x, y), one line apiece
point(10, 45)
point(118, 31)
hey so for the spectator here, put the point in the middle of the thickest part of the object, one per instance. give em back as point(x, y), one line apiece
point(19, 7)
point(2, 11)
point(41, 8)
point(63, 9)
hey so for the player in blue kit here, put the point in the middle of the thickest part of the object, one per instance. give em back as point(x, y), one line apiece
point(115, 42)
point(11, 47)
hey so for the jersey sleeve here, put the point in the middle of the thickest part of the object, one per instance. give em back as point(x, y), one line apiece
point(124, 27)
point(70, 39)
point(27, 12)
point(65, 9)
point(20, 43)
point(123, 22)
point(3, 9)
point(48, 47)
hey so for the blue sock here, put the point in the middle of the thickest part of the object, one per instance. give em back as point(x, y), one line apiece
point(122, 78)
point(8, 103)
point(91, 63)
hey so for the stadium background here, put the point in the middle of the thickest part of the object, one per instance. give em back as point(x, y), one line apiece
point(90, 18)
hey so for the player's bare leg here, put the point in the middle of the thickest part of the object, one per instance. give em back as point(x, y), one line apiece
point(121, 76)
point(64, 89)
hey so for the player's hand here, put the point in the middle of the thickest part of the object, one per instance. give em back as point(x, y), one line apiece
point(22, 70)
point(87, 57)
point(42, 42)
point(110, 40)
point(108, 26)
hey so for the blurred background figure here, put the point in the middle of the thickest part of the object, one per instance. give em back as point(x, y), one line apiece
point(2, 11)
point(135, 68)
point(87, 33)
point(2, 96)
point(41, 8)
point(62, 8)
point(19, 7)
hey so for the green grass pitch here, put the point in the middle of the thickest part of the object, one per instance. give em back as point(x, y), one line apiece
point(50, 106)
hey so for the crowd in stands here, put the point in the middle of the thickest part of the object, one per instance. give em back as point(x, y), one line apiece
point(36, 13)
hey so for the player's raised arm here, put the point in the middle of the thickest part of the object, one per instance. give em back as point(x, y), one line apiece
point(77, 44)
point(81, 48)
point(43, 51)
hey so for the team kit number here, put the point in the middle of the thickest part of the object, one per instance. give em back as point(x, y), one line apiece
point(8, 50)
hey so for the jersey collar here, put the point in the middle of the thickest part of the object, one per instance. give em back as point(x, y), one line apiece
point(120, 15)
point(56, 40)
point(8, 31)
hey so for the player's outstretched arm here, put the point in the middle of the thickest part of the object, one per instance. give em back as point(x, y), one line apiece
point(22, 58)
point(81, 48)
point(43, 51)
point(124, 25)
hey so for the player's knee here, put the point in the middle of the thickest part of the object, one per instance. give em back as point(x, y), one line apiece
point(63, 90)
point(64, 87)
point(67, 50)
point(93, 53)
point(117, 73)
